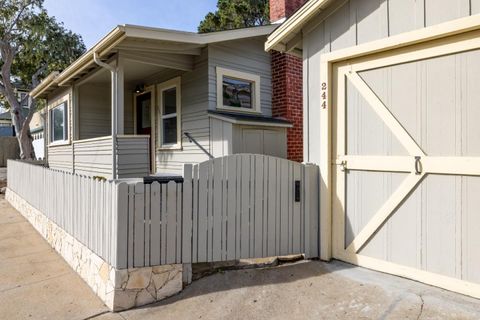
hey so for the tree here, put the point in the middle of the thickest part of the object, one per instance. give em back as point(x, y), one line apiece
point(32, 44)
point(235, 14)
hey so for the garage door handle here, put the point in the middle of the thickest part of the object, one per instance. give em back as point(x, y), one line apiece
point(418, 165)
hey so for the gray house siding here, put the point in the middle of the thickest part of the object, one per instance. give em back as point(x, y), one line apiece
point(246, 56)
point(199, 93)
point(194, 120)
point(94, 110)
point(359, 21)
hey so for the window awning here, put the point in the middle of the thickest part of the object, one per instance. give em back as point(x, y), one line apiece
point(249, 119)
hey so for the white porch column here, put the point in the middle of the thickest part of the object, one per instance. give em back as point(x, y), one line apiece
point(120, 125)
point(116, 71)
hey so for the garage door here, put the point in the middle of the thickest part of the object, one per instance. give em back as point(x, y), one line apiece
point(406, 128)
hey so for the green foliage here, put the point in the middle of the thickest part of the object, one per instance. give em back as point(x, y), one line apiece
point(41, 43)
point(235, 14)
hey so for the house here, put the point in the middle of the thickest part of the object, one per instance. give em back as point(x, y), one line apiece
point(391, 111)
point(147, 100)
point(6, 126)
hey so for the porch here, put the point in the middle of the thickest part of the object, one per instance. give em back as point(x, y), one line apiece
point(103, 118)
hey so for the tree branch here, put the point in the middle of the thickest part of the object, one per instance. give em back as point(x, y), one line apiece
point(15, 20)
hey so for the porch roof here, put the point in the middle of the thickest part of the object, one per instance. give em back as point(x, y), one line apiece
point(147, 40)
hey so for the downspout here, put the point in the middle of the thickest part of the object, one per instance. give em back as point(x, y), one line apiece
point(113, 72)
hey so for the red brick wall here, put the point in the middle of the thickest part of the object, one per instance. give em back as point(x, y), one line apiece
point(287, 93)
point(287, 99)
point(283, 8)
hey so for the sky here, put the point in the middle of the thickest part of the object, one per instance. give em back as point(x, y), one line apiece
point(93, 19)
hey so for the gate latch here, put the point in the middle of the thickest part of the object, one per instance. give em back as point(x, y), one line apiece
point(418, 165)
point(342, 164)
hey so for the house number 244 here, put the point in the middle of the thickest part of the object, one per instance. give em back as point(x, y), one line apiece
point(324, 95)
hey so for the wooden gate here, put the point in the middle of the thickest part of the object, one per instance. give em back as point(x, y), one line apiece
point(406, 153)
point(235, 207)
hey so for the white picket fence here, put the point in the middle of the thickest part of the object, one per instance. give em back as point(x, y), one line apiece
point(240, 206)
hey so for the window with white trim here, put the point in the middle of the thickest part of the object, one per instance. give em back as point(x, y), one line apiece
point(59, 123)
point(238, 91)
point(169, 129)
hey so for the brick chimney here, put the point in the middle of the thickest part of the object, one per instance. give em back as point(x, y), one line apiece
point(287, 83)
point(283, 9)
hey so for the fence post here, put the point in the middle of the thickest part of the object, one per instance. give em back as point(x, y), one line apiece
point(120, 218)
point(187, 212)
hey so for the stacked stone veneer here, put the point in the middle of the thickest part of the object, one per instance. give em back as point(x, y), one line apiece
point(119, 289)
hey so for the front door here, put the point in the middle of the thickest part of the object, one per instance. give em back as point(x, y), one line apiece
point(143, 118)
point(407, 161)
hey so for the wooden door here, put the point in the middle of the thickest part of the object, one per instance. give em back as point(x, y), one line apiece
point(407, 165)
point(144, 119)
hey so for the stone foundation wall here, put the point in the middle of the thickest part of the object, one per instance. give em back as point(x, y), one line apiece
point(119, 289)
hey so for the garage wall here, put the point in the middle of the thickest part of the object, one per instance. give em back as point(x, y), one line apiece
point(352, 22)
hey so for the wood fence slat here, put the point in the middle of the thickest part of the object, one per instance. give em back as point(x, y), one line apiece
point(202, 211)
point(258, 215)
point(251, 216)
point(155, 224)
point(139, 225)
point(245, 207)
point(163, 230)
point(171, 222)
point(179, 219)
point(266, 166)
point(284, 195)
point(231, 207)
point(131, 217)
point(217, 210)
point(210, 227)
point(122, 226)
point(238, 211)
point(187, 214)
point(271, 215)
point(224, 209)
point(195, 215)
point(147, 226)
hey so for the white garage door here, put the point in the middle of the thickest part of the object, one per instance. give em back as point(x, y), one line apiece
point(407, 158)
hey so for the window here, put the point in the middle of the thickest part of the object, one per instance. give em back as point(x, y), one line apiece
point(238, 91)
point(23, 95)
point(59, 124)
point(169, 133)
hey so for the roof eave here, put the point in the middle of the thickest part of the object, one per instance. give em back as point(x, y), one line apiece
point(119, 33)
point(102, 47)
point(276, 41)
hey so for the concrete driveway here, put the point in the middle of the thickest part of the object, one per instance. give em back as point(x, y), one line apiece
point(35, 283)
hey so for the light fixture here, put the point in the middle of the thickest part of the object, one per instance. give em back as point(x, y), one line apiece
point(139, 88)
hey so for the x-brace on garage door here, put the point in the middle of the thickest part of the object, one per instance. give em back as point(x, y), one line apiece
point(406, 158)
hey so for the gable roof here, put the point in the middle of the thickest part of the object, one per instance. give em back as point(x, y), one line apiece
point(156, 39)
point(292, 26)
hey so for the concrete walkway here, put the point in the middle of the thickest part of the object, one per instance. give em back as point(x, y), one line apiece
point(35, 283)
